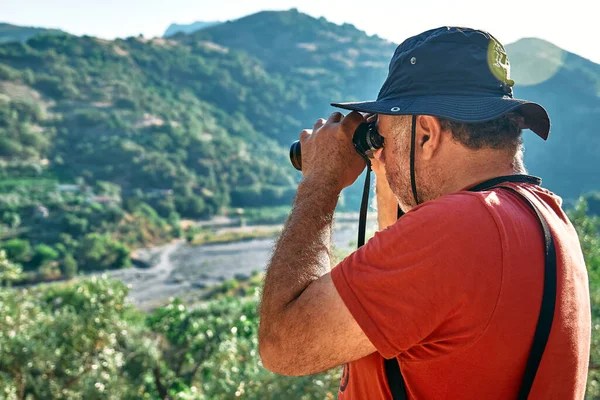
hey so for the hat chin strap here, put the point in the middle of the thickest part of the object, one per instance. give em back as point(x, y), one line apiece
point(413, 139)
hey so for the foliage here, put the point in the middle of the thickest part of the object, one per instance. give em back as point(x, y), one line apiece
point(42, 222)
point(588, 229)
point(9, 272)
point(82, 341)
point(67, 341)
point(68, 266)
point(43, 254)
point(265, 215)
point(100, 252)
point(17, 250)
point(226, 237)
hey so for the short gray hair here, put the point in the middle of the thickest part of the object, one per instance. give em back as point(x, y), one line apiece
point(502, 133)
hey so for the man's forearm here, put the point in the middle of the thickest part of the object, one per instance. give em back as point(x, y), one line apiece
point(302, 253)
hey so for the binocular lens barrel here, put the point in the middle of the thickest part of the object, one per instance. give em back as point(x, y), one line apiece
point(296, 155)
point(366, 139)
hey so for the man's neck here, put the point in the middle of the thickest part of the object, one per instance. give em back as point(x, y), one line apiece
point(477, 171)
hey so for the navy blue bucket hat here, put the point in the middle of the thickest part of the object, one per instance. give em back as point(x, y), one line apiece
point(460, 74)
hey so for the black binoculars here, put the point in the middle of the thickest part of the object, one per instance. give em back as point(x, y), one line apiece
point(366, 139)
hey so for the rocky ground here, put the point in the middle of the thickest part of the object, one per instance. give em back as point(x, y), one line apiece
point(181, 270)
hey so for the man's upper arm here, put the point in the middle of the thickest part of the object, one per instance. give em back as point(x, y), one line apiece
point(317, 332)
point(438, 264)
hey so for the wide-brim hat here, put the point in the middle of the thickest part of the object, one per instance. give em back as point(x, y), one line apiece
point(459, 74)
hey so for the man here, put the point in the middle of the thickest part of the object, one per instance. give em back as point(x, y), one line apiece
point(452, 290)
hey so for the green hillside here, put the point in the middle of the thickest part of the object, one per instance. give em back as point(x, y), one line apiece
point(15, 33)
point(316, 62)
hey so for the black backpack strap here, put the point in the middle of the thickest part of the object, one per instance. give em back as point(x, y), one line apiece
point(395, 379)
point(546, 316)
point(392, 368)
point(544, 323)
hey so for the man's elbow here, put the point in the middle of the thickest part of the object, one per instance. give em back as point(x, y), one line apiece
point(275, 357)
point(270, 354)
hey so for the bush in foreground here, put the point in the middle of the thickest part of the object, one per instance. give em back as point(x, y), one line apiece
point(83, 341)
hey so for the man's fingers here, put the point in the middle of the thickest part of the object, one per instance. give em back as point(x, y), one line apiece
point(305, 134)
point(351, 122)
point(320, 122)
point(335, 117)
point(368, 116)
point(371, 118)
point(377, 154)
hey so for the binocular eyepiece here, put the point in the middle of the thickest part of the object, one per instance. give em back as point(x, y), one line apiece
point(366, 140)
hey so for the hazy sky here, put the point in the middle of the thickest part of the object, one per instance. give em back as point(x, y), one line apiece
point(568, 24)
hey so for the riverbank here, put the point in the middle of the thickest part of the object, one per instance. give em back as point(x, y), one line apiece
point(188, 271)
point(234, 234)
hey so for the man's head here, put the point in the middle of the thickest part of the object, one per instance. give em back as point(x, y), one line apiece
point(457, 81)
point(449, 155)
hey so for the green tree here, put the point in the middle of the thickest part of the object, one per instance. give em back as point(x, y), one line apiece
point(75, 225)
point(68, 266)
point(17, 250)
point(99, 252)
point(43, 254)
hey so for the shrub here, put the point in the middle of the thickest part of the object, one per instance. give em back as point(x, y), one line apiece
point(68, 267)
point(43, 254)
point(99, 252)
point(17, 250)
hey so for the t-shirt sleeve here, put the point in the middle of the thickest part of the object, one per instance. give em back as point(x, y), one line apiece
point(431, 278)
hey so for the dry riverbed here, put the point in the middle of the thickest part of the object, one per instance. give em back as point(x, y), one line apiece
point(187, 271)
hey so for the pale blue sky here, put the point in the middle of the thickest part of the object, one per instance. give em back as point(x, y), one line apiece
point(568, 24)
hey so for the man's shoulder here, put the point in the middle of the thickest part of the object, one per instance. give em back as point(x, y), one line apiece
point(458, 218)
point(461, 214)
point(466, 204)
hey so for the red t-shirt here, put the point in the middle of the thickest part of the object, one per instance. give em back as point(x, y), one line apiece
point(453, 291)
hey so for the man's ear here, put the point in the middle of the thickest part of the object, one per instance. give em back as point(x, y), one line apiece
point(429, 135)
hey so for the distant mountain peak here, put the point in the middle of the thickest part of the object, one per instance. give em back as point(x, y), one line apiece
point(16, 33)
point(174, 29)
point(536, 60)
point(293, 17)
point(274, 37)
point(533, 44)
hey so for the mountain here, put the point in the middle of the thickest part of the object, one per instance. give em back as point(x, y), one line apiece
point(142, 114)
point(315, 60)
point(12, 33)
point(174, 29)
point(568, 86)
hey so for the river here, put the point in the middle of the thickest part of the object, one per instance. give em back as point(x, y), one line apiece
point(185, 271)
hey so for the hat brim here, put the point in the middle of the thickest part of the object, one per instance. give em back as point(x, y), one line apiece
point(459, 108)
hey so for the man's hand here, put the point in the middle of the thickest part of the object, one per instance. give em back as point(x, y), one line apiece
point(387, 203)
point(378, 166)
point(328, 154)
